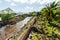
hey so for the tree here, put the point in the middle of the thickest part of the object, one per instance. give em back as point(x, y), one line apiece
point(49, 11)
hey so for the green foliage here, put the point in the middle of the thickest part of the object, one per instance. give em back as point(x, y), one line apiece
point(7, 16)
point(51, 11)
point(35, 36)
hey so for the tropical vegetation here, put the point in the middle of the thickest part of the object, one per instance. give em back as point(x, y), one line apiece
point(47, 22)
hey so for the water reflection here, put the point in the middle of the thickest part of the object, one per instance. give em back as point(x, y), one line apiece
point(21, 24)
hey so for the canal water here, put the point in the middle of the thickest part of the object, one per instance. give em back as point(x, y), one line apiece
point(19, 25)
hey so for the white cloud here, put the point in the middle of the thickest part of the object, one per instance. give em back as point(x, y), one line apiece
point(8, 0)
point(27, 9)
point(46, 1)
point(0, 1)
point(57, 0)
point(25, 1)
point(13, 4)
point(21, 1)
point(31, 1)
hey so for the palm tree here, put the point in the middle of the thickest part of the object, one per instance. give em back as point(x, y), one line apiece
point(50, 8)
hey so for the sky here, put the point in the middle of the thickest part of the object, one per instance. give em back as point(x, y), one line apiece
point(24, 5)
